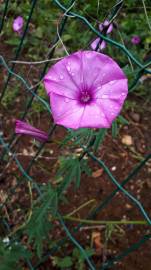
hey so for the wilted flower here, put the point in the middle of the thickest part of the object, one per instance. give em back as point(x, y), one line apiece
point(135, 40)
point(99, 44)
point(24, 128)
point(86, 89)
point(18, 24)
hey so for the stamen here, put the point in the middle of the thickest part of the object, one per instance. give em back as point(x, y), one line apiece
point(85, 97)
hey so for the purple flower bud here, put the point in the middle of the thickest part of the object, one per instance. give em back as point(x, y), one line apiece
point(95, 43)
point(18, 24)
point(105, 25)
point(102, 45)
point(24, 128)
point(135, 40)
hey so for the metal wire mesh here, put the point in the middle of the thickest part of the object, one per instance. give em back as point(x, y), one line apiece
point(8, 148)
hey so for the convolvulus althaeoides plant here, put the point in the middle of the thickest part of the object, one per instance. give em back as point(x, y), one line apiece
point(23, 127)
point(86, 89)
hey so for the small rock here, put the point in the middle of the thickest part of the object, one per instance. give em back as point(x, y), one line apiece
point(25, 152)
point(128, 206)
point(127, 140)
point(113, 168)
point(132, 187)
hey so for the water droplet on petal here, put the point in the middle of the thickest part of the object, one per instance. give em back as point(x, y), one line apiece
point(111, 82)
point(88, 54)
point(68, 68)
point(72, 74)
point(123, 94)
point(61, 77)
point(104, 96)
point(66, 100)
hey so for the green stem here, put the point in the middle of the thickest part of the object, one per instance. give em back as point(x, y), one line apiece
point(106, 222)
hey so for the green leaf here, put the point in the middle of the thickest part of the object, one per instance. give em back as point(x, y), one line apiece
point(63, 263)
point(11, 255)
point(71, 171)
point(77, 175)
point(39, 32)
point(79, 136)
point(122, 120)
point(85, 167)
point(100, 135)
point(40, 223)
point(14, 41)
point(114, 129)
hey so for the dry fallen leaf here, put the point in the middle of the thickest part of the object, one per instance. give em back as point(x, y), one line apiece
point(128, 206)
point(96, 240)
point(97, 173)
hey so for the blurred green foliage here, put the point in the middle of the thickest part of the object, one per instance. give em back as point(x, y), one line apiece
point(47, 16)
point(43, 27)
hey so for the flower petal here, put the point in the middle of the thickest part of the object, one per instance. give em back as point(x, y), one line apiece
point(109, 71)
point(64, 78)
point(66, 112)
point(99, 69)
point(110, 98)
point(101, 27)
point(24, 128)
point(111, 109)
point(94, 117)
point(110, 28)
point(116, 90)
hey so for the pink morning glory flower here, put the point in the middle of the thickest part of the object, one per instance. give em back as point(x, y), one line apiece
point(18, 24)
point(135, 40)
point(98, 41)
point(24, 128)
point(87, 90)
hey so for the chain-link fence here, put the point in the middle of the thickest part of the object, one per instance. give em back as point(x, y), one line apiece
point(47, 199)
